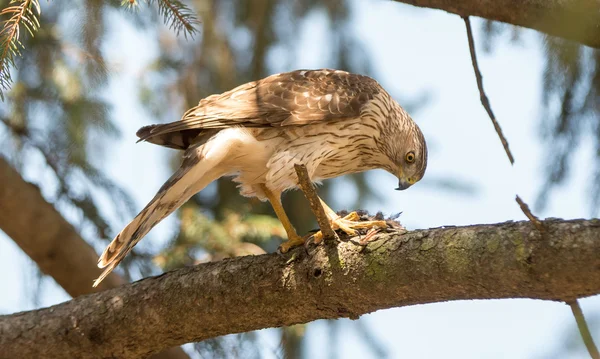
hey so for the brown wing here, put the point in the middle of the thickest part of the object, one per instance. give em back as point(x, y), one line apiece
point(289, 99)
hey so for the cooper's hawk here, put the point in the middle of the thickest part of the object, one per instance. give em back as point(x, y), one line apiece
point(333, 122)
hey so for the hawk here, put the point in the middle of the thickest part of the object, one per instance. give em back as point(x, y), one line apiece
point(331, 121)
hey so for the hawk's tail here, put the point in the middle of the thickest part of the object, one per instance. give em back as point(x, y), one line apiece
point(193, 175)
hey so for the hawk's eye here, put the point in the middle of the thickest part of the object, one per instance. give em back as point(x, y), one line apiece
point(410, 157)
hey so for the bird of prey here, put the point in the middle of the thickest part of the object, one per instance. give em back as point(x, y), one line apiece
point(331, 121)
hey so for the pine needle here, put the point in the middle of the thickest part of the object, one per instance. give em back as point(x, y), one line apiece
point(25, 14)
point(178, 16)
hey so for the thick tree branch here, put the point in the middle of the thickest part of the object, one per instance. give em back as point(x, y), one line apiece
point(42, 232)
point(577, 20)
point(505, 260)
point(59, 251)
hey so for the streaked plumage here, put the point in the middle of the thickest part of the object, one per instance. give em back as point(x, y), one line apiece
point(334, 122)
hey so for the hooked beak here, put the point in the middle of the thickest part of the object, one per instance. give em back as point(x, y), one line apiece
point(403, 184)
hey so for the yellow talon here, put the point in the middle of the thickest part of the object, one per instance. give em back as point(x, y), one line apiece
point(348, 224)
point(291, 243)
point(352, 216)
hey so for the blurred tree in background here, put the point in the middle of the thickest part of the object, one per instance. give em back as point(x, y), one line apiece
point(57, 122)
point(571, 107)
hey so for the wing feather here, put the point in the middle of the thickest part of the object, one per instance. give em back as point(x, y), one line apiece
point(297, 98)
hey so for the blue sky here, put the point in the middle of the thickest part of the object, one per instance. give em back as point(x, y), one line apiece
point(412, 50)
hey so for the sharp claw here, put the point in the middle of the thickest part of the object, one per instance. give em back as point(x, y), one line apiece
point(369, 236)
point(289, 244)
point(282, 250)
point(318, 237)
point(349, 224)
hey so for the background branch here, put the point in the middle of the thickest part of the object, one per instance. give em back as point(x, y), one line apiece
point(49, 240)
point(577, 20)
point(58, 249)
point(330, 281)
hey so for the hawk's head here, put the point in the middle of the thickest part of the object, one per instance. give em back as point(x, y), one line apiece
point(410, 156)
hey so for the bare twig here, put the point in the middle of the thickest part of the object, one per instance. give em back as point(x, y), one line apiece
point(536, 221)
point(584, 330)
point(315, 205)
point(574, 304)
point(484, 99)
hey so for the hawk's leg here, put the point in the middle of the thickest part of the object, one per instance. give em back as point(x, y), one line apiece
point(294, 239)
point(347, 224)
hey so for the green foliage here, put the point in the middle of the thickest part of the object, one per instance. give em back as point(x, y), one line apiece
point(55, 115)
point(178, 16)
point(25, 14)
point(204, 239)
point(571, 79)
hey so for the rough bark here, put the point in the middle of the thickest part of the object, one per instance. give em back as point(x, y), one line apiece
point(506, 260)
point(577, 20)
point(45, 236)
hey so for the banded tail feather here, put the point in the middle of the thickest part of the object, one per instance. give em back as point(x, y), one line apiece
point(195, 173)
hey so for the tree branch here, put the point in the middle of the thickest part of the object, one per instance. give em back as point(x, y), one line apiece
point(577, 20)
point(505, 260)
point(47, 238)
point(42, 232)
point(584, 330)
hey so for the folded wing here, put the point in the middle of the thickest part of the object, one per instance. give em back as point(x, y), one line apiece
point(294, 98)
